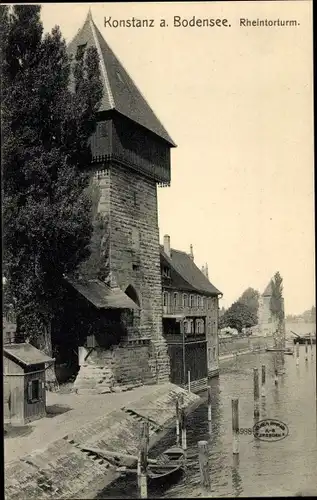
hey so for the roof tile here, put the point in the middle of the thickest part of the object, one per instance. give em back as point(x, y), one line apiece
point(182, 263)
point(120, 91)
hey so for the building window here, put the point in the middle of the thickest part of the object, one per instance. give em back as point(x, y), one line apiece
point(192, 301)
point(185, 326)
point(34, 391)
point(175, 299)
point(200, 327)
point(203, 302)
point(165, 299)
point(199, 301)
point(209, 303)
point(185, 300)
point(214, 353)
point(191, 326)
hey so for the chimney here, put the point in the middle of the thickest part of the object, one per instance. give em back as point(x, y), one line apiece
point(191, 252)
point(167, 245)
point(206, 271)
point(203, 269)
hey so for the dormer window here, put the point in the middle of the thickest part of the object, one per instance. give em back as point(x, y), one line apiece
point(81, 50)
point(166, 272)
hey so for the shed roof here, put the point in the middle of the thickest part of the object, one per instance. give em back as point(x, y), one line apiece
point(26, 354)
point(120, 93)
point(101, 295)
point(183, 264)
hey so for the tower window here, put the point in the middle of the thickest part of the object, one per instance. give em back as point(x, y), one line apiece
point(81, 50)
point(135, 239)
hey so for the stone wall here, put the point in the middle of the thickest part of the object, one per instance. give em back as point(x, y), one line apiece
point(64, 470)
point(233, 345)
point(266, 321)
point(128, 202)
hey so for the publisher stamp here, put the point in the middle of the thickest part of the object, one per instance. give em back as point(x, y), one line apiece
point(269, 429)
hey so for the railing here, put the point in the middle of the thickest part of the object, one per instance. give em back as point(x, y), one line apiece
point(186, 311)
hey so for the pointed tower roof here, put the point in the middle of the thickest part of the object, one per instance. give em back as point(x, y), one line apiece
point(268, 291)
point(120, 91)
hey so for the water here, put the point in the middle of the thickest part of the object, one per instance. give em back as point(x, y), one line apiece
point(287, 467)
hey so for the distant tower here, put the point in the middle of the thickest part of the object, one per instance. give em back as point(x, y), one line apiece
point(266, 321)
point(131, 156)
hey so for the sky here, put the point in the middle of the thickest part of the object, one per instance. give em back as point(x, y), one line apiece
point(238, 102)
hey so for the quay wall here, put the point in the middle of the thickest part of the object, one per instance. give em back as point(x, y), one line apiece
point(232, 345)
point(63, 470)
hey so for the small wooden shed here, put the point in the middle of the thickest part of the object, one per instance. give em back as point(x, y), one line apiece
point(24, 383)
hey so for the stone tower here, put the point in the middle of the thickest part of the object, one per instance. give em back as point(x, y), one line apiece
point(131, 157)
point(267, 322)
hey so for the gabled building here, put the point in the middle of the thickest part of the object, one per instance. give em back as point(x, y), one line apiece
point(190, 317)
point(130, 158)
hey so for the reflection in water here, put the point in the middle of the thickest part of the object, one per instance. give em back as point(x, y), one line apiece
point(237, 488)
point(262, 468)
point(263, 407)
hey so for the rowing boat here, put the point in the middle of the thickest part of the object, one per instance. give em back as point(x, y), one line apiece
point(169, 463)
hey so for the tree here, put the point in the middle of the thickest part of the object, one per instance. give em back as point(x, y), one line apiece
point(49, 105)
point(238, 316)
point(243, 312)
point(250, 298)
point(276, 301)
point(277, 308)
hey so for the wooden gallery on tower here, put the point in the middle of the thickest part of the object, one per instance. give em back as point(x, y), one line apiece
point(118, 293)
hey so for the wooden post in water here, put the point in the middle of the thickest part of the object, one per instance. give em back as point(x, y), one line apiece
point(139, 458)
point(311, 343)
point(297, 353)
point(188, 379)
point(204, 464)
point(235, 425)
point(306, 351)
point(263, 381)
point(144, 460)
point(183, 421)
point(256, 392)
point(177, 420)
point(209, 404)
